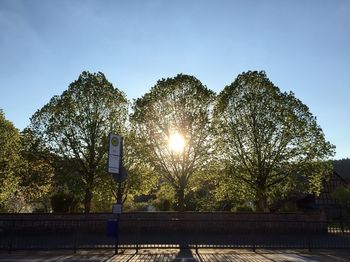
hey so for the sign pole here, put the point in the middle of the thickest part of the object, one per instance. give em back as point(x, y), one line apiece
point(119, 203)
point(115, 167)
point(119, 198)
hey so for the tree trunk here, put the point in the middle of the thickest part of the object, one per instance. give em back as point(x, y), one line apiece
point(87, 200)
point(180, 194)
point(261, 201)
point(88, 190)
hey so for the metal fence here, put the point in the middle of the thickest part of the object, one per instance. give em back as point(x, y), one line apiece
point(49, 234)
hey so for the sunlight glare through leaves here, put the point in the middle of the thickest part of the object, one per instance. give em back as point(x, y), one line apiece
point(176, 142)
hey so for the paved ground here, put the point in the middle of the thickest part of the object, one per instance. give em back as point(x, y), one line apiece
point(156, 255)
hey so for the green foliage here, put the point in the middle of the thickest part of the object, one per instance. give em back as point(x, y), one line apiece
point(243, 208)
point(268, 139)
point(229, 193)
point(163, 204)
point(26, 170)
point(37, 171)
point(67, 177)
point(64, 202)
point(180, 104)
point(141, 179)
point(10, 161)
point(202, 190)
point(104, 194)
point(75, 126)
point(165, 198)
point(252, 147)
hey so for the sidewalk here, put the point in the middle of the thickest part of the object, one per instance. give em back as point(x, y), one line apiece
point(157, 255)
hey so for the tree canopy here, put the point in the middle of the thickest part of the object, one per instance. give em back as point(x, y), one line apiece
point(10, 159)
point(268, 139)
point(252, 147)
point(176, 110)
point(75, 125)
point(37, 170)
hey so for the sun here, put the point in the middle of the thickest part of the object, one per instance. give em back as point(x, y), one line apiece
point(176, 142)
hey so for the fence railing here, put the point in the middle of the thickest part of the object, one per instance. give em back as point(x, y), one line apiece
point(48, 234)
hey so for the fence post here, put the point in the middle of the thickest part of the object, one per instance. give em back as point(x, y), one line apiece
point(253, 234)
point(137, 234)
point(11, 237)
point(341, 219)
point(116, 247)
point(75, 236)
point(309, 244)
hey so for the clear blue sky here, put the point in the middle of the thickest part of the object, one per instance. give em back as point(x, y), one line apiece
point(304, 47)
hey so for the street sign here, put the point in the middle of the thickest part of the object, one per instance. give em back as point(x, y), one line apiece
point(115, 144)
point(114, 164)
point(115, 151)
point(121, 176)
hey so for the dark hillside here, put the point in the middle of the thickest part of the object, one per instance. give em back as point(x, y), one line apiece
point(342, 167)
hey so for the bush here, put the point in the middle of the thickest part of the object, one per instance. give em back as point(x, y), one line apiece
point(244, 208)
point(63, 202)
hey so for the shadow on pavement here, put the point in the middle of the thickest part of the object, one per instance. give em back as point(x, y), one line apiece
point(185, 252)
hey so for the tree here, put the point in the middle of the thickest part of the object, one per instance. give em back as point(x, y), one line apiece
point(37, 171)
point(269, 140)
point(176, 109)
point(68, 180)
point(75, 126)
point(10, 159)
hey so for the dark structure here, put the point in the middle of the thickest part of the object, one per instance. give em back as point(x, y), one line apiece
point(326, 202)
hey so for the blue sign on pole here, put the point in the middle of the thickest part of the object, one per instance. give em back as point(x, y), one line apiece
point(111, 227)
